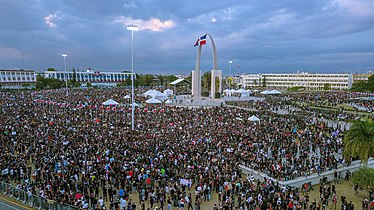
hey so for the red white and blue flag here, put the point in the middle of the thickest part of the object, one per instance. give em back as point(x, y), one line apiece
point(200, 41)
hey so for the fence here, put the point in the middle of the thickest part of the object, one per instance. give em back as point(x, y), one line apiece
point(314, 178)
point(32, 200)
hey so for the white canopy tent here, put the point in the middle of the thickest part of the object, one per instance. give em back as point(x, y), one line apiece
point(244, 93)
point(265, 92)
point(153, 101)
point(271, 92)
point(168, 92)
point(156, 94)
point(227, 92)
point(110, 102)
point(127, 97)
point(135, 104)
point(275, 92)
point(151, 93)
point(168, 102)
point(160, 96)
point(254, 119)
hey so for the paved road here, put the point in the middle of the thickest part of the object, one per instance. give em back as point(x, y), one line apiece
point(4, 205)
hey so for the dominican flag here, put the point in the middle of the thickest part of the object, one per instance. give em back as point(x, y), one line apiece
point(200, 41)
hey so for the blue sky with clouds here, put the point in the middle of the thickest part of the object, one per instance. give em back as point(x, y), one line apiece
point(263, 36)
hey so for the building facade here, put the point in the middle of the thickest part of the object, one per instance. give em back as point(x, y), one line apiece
point(89, 76)
point(306, 80)
point(17, 79)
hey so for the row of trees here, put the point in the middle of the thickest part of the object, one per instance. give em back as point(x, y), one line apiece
point(149, 80)
point(359, 143)
point(364, 86)
point(140, 80)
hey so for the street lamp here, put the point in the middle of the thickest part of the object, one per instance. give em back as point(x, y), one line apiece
point(132, 28)
point(66, 76)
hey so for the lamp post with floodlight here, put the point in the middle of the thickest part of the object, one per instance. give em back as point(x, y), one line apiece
point(132, 28)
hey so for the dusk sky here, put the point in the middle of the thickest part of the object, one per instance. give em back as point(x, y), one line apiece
point(263, 36)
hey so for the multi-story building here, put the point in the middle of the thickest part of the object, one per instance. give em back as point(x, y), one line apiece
point(17, 79)
point(361, 77)
point(89, 76)
point(306, 80)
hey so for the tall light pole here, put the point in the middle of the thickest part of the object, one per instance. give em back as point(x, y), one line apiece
point(132, 28)
point(230, 62)
point(66, 76)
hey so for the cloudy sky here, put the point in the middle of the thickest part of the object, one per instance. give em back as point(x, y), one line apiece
point(263, 36)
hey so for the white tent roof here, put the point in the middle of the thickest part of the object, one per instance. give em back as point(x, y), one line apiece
point(227, 90)
point(253, 118)
point(160, 96)
point(168, 102)
point(266, 92)
point(127, 97)
point(151, 93)
point(275, 92)
point(153, 101)
point(168, 92)
point(242, 91)
point(176, 81)
point(110, 102)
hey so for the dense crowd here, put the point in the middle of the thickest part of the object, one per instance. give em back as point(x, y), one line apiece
point(74, 150)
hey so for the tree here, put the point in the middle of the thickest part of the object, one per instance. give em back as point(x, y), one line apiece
point(51, 69)
point(74, 80)
point(327, 86)
point(264, 82)
point(364, 177)
point(359, 141)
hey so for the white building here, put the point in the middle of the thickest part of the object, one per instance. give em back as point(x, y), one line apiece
point(89, 76)
point(17, 79)
point(307, 80)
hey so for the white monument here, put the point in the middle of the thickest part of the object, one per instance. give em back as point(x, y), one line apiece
point(216, 74)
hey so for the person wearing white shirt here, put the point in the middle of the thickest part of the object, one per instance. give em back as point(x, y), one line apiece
point(122, 203)
point(101, 202)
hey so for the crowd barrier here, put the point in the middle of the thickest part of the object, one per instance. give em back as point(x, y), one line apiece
point(32, 200)
point(314, 178)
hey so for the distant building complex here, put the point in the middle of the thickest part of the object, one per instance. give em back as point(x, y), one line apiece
point(90, 76)
point(17, 79)
point(307, 80)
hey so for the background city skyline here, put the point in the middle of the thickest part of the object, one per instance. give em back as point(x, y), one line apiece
point(333, 36)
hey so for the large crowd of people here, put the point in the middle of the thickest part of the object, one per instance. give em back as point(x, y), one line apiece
point(76, 151)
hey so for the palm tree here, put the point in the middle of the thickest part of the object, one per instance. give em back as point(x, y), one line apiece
point(359, 141)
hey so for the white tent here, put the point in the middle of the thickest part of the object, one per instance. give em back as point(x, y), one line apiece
point(135, 104)
point(153, 101)
point(244, 93)
point(127, 97)
point(110, 102)
point(265, 92)
point(275, 92)
point(271, 92)
point(160, 96)
point(168, 92)
point(254, 119)
point(151, 93)
point(168, 102)
point(156, 94)
point(227, 92)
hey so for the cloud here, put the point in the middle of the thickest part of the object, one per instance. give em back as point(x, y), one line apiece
point(362, 8)
point(153, 24)
point(49, 20)
point(130, 5)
